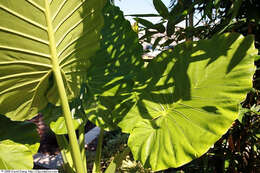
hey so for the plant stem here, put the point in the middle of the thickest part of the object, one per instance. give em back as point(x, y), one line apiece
point(66, 154)
point(62, 92)
point(97, 163)
point(82, 145)
point(76, 156)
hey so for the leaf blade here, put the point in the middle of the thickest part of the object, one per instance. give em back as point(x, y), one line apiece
point(185, 110)
point(28, 44)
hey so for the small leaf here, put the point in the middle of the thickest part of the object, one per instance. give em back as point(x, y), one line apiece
point(241, 113)
point(159, 27)
point(149, 25)
point(135, 27)
point(257, 58)
point(143, 15)
point(217, 2)
point(167, 42)
point(144, 22)
point(148, 34)
point(52, 116)
point(235, 8)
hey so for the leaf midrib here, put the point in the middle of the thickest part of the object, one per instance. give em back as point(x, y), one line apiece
point(52, 42)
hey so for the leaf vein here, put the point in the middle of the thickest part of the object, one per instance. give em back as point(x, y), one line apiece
point(69, 15)
point(59, 9)
point(24, 35)
point(26, 62)
point(69, 44)
point(22, 74)
point(70, 30)
point(25, 51)
point(23, 17)
point(36, 5)
point(18, 86)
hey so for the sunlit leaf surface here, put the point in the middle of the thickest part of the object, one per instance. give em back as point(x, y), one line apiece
point(36, 34)
point(190, 100)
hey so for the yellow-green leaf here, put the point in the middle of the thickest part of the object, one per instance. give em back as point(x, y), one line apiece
point(36, 37)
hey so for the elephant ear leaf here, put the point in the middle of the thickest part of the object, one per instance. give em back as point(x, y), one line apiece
point(19, 141)
point(38, 37)
point(190, 100)
point(113, 70)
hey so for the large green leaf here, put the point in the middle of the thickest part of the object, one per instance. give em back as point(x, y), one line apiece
point(190, 100)
point(181, 104)
point(113, 70)
point(19, 141)
point(38, 36)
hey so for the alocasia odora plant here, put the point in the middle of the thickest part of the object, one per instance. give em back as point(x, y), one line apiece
point(174, 109)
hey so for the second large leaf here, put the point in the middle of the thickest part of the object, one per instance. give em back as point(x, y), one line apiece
point(38, 37)
point(189, 99)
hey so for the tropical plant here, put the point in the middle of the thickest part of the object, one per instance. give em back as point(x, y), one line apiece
point(175, 108)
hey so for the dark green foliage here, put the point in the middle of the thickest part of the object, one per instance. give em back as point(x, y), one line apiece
point(113, 69)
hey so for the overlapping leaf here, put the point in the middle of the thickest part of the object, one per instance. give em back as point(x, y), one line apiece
point(190, 101)
point(113, 70)
point(34, 34)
